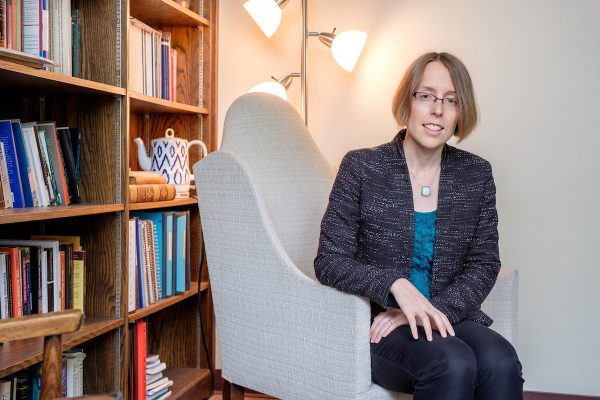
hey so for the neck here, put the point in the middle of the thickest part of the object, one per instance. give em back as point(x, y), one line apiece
point(419, 158)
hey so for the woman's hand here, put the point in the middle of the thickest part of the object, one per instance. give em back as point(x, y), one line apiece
point(386, 322)
point(414, 305)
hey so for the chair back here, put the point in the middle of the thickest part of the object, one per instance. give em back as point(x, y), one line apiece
point(267, 135)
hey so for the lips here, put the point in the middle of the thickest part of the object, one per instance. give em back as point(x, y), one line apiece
point(434, 129)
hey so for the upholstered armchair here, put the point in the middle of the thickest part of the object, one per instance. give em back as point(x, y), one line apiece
point(281, 332)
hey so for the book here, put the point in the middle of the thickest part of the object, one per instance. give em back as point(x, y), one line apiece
point(60, 35)
point(156, 368)
point(47, 167)
point(48, 131)
point(75, 44)
point(158, 220)
point(64, 139)
point(179, 251)
point(139, 360)
point(15, 280)
point(131, 267)
point(27, 173)
point(167, 274)
point(4, 282)
point(151, 192)
point(28, 130)
point(146, 177)
point(164, 384)
point(32, 15)
point(5, 392)
point(79, 280)
point(4, 180)
point(3, 23)
point(10, 155)
point(75, 358)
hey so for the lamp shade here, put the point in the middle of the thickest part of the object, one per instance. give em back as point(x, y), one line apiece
point(266, 13)
point(270, 87)
point(346, 48)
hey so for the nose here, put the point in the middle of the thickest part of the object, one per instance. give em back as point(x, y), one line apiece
point(437, 107)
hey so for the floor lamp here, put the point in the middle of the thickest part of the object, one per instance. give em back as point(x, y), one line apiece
point(345, 46)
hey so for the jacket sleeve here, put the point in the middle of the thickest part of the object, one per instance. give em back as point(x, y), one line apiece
point(481, 264)
point(336, 263)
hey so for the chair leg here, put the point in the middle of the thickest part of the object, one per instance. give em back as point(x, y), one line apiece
point(231, 391)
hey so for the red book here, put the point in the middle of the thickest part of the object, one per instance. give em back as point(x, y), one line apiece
point(15, 276)
point(139, 359)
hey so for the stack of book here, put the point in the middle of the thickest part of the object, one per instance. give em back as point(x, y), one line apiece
point(145, 186)
point(72, 373)
point(156, 74)
point(159, 263)
point(41, 275)
point(39, 164)
point(149, 382)
point(46, 29)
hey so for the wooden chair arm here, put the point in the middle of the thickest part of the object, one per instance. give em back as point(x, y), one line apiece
point(34, 326)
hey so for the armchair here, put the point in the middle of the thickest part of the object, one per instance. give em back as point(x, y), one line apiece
point(261, 199)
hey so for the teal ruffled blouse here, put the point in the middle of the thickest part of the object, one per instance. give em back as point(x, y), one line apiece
point(422, 259)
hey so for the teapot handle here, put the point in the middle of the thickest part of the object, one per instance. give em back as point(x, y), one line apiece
point(202, 146)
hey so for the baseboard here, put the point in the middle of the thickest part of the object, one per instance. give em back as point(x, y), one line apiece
point(556, 396)
point(526, 396)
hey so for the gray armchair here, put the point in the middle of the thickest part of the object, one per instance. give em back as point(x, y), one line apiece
point(281, 332)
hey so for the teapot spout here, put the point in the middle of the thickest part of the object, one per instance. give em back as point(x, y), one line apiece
point(143, 159)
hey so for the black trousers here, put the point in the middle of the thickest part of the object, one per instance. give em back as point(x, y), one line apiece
point(477, 363)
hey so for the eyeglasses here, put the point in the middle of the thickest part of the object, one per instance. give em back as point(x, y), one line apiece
point(429, 99)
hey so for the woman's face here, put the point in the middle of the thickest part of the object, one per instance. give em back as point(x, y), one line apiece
point(431, 125)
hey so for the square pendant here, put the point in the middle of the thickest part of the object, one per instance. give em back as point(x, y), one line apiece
point(426, 191)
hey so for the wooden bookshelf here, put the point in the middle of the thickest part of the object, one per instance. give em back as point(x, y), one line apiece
point(14, 356)
point(189, 382)
point(174, 324)
point(110, 116)
point(190, 201)
point(165, 12)
point(142, 103)
point(16, 215)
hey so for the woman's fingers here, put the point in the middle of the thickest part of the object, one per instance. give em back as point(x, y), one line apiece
point(448, 324)
point(412, 321)
point(439, 323)
point(426, 325)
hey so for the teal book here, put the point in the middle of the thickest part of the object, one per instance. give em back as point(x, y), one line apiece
point(158, 219)
point(167, 274)
point(179, 247)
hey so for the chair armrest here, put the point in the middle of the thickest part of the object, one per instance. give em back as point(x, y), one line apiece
point(34, 326)
point(501, 304)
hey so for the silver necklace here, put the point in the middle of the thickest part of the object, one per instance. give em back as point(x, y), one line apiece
point(425, 189)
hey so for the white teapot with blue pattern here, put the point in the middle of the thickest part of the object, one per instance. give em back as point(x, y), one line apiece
point(170, 157)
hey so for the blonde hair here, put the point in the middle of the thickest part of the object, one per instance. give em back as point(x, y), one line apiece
point(467, 106)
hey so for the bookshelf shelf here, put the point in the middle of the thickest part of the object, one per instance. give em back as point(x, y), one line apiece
point(185, 380)
point(142, 103)
point(16, 75)
point(165, 12)
point(16, 215)
point(20, 354)
point(162, 304)
point(163, 204)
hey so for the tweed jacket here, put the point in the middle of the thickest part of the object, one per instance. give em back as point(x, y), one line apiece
point(367, 231)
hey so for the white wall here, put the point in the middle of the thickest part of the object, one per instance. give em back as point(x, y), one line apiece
point(536, 70)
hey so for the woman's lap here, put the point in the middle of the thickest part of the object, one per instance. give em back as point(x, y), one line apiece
point(457, 367)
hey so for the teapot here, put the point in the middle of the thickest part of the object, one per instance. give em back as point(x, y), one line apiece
point(170, 157)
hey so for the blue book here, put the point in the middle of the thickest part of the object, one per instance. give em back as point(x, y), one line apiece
point(179, 246)
point(168, 252)
point(158, 219)
point(10, 154)
point(25, 167)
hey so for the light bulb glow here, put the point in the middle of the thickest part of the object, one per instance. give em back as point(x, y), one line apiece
point(270, 87)
point(346, 48)
point(266, 14)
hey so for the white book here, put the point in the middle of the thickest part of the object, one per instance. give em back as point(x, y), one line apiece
point(156, 369)
point(60, 36)
point(164, 396)
point(132, 268)
point(153, 377)
point(4, 390)
point(44, 281)
point(155, 384)
point(3, 288)
point(158, 389)
point(31, 27)
point(74, 372)
point(49, 246)
point(33, 152)
point(151, 358)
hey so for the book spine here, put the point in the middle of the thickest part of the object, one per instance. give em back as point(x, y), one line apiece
point(49, 177)
point(140, 359)
point(150, 193)
point(31, 27)
point(45, 29)
point(69, 163)
point(25, 167)
point(132, 266)
point(3, 24)
point(76, 44)
point(10, 155)
point(79, 280)
point(6, 193)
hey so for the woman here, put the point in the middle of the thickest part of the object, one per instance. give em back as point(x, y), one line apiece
point(412, 225)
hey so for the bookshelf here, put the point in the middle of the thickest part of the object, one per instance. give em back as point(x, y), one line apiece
point(111, 116)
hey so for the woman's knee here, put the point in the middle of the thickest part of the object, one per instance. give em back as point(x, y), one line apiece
point(457, 363)
point(500, 361)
